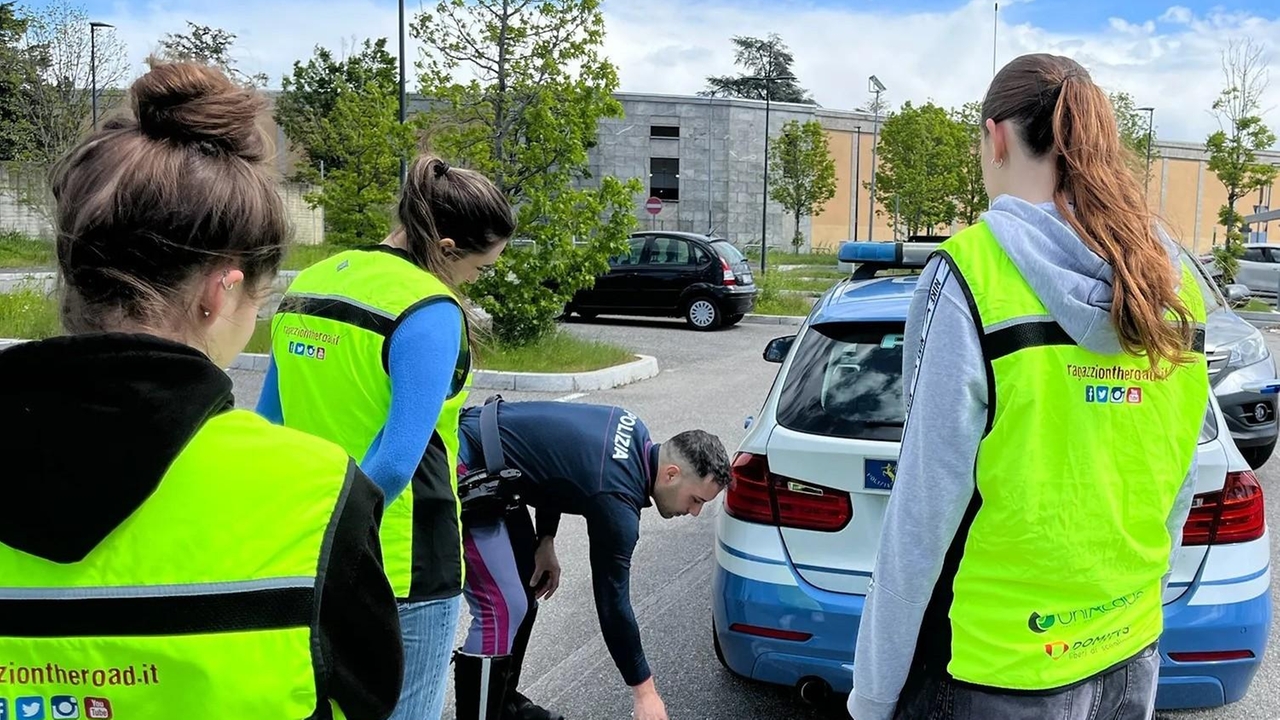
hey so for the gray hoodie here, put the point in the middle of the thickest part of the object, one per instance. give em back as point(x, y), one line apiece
point(945, 385)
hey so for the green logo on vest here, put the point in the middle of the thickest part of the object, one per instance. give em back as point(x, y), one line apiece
point(1038, 623)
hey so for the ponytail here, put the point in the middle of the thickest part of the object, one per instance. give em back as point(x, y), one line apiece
point(1058, 109)
point(1111, 216)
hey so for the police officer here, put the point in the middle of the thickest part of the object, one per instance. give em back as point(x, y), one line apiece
point(162, 554)
point(1056, 386)
point(594, 461)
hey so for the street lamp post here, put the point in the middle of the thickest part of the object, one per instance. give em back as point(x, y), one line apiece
point(93, 66)
point(1151, 116)
point(404, 110)
point(768, 100)
point(877, 87)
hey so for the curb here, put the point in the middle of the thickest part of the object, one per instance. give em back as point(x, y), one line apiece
point(643, 368)
point(1258, 318)
point(752, 319)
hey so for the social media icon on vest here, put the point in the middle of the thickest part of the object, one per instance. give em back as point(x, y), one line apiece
point(64, 707)
point(97, 708)
point(4, 709)
point(30, 708)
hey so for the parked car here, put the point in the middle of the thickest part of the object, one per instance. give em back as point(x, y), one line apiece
point(703, 279)
point(1238, 355)
point(797, 539)
point(1260, 268)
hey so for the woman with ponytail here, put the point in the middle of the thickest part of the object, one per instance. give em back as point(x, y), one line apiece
point(1055, 388)
point(371, 350)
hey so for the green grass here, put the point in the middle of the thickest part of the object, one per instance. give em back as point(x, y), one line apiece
point(28, 314)
point(261, 340)
point(794, 305)
point(19, 251)
point(302, 256)
point(560, 352)
point(771, 299)
point(783, 257)
point(813, 271)
point(1256, 305)
point(806, 285)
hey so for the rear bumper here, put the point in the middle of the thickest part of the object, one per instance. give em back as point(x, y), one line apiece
point(831, 620)
point(736, 300)
point(1191, 625)
point(766, 592)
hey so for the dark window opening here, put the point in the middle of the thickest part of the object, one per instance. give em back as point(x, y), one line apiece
point(664, 178)
point(664, 131)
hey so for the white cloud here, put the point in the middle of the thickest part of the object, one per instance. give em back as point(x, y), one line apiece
point(1170, 61)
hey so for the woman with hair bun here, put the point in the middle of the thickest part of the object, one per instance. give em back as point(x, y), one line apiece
point(163, 554)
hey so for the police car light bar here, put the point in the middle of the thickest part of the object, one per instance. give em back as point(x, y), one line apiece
point(887, 255)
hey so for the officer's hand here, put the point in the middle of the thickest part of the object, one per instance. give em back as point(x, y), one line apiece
point(648, 704)
point(546, 570)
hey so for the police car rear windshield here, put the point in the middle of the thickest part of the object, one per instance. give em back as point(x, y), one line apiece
point(846, 382)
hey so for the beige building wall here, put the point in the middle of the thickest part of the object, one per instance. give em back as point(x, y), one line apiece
point(1182, 191)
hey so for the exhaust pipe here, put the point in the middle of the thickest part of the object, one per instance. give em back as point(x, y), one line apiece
point(814, 691)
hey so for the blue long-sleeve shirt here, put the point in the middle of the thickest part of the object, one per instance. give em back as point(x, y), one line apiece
point(423, 354)
point(596, 461)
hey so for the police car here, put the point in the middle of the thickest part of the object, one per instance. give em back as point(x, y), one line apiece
point(797, 540)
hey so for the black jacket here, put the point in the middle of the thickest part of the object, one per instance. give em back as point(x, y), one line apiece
point(90, 425)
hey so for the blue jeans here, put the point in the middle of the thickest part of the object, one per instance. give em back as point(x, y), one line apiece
point(1127, 692)
point(428, 629)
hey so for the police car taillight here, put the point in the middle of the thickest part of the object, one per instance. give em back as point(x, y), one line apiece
point(760, 496)
point(729, 278)
point(1234, 514)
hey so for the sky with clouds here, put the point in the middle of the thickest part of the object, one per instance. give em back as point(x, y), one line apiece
point(1165, 53)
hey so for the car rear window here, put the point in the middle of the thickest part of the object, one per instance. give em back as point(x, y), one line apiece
point(846, 381)
point(727, 251)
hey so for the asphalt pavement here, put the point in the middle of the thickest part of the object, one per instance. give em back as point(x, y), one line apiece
point(711, 381)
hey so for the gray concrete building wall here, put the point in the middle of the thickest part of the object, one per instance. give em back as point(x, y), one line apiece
point(721, 151)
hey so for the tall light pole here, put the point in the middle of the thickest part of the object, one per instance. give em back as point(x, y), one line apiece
point(1151, 117)
point(93, 66)
point(404, 110)
point(768, 81)
point(995, 35)
point(877, 87)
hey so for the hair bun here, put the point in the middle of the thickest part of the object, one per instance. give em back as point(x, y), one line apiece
point(193, 103)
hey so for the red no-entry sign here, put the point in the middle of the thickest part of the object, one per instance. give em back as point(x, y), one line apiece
point(653, 205)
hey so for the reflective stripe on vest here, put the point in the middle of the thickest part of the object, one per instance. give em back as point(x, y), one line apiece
point(203, 603)
point(330, 343)
point(1065, 542)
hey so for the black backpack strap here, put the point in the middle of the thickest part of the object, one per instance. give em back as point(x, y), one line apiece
point(490, 439)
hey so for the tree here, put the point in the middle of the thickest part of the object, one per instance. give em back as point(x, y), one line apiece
point(1134, 132)
point(15, 74)
point(802, 173)
point(527, 120)
point(359, 194)
point(309, 97)
point(208, 45)
point(1233, 149)
point(971, 197)
point(769, 57)
point(922, 153)
point(58, 101)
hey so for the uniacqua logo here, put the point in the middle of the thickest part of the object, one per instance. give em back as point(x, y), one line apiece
point(1038, 623)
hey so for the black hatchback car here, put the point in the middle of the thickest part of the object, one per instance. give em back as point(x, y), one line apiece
point(703, 279)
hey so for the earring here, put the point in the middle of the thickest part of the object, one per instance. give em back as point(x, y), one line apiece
point(206, 313)
point(225, 286)
point(997, 164)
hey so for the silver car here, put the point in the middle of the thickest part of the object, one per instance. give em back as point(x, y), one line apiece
point(1237, 355)
point(1260, 268)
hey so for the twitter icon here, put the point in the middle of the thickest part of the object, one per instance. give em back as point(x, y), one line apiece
point(30, 708)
